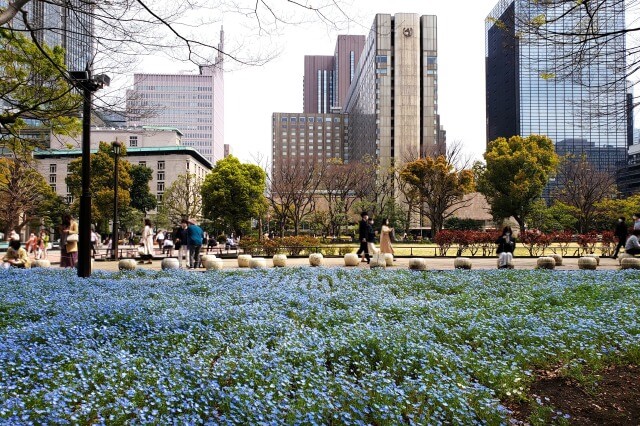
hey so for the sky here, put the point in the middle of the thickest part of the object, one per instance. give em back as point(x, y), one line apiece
point(253, 93)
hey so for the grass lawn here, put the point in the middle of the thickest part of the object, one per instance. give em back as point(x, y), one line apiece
point(302, 345)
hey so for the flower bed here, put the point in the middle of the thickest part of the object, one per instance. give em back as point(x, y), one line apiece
point(299, 345)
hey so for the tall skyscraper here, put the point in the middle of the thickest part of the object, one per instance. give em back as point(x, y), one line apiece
point(523, 99)
point(392, 102)
point(193, 103)
point(327, 78)
point(70, 27)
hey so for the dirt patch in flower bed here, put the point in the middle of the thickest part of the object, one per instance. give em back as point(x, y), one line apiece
point(608, 397)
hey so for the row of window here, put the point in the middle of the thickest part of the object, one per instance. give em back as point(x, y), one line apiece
point(310, 119)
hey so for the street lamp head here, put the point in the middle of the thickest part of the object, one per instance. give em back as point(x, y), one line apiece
point(117, 147)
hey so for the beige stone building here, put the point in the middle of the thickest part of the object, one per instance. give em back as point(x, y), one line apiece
point(158, 148)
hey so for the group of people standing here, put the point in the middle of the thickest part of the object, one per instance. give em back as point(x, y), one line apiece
point(187, 239)
point(367, 238)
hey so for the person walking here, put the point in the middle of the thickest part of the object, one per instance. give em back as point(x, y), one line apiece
point(621, 233)
point(632, 246)
point(68, 242)
point(506, 246)
point(385, 237)
point(46, 244)
point(147, 242)
point(363, 232)
point(636, 221)
point(371, 238)
point(180, 239)
point(195, 235)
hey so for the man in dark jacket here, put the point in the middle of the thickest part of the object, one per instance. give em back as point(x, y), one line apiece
point(363, 233)
point(621, 232)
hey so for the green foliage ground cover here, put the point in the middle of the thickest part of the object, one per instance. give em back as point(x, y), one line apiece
point(300, 346)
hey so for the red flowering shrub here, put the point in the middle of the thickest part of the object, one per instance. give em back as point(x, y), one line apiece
point(444, 239)
point(563, 240)
point(608, 243)
point(535, 241)
point(588, 242)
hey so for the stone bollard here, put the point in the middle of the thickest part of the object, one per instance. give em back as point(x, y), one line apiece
point(41, 263)
point(418, 264)
point(546, 262)
point(509, 264)
point(630, 263)
point(351, 259)
point(169, 263)
point(127, 265)
point(558, 258)
point(205, 257)
point(624, 256)
point(587, 262)
point(378, 261)
point(595, 256)
point(462, 263)
point(316, 259)
point(257, 263)
point(213, 264)
point(279, 260)
point(244, 260)
point(388, 258)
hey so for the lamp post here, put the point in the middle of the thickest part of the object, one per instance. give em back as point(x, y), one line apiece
point(117, 147)
point(85, 81)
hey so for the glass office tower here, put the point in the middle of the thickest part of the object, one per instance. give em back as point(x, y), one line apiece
point(529, 90)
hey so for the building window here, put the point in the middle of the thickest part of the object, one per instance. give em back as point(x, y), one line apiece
point(159, 197)
point(160, 186)
point(53, 187)
point(160, 165)
point(133, 141)
point(53, 168)
point(69, 199)
point(160, 176)
point(142, 163)
point(52, 178)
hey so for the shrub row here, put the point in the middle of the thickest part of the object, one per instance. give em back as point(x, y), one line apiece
point(536, 242)
point(292, 246)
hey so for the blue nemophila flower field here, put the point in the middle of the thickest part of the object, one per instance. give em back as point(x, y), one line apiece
point(299, 346)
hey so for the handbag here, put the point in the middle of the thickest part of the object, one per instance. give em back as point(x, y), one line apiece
point(72, 238)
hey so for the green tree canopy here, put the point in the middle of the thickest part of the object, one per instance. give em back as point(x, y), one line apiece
point(31, 86)
point(183, 199)
point(516, 172)
point(440, 185)
point(102, 173)
point(234, 193)
point(141, 197)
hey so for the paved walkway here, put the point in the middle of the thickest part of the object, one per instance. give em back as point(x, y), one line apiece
point(437, 263)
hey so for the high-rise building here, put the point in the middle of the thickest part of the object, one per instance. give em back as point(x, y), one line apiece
point(522, 99)
point(392, 102)
point(70, 27)
point(327, 78)
point(193, 103)
point(307, 138)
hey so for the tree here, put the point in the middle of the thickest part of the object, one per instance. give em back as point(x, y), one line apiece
point(557, 217)
point(292, 192)
point(31, 86)
point(141, 196)
point(608, 211)
point(22, 191)
point(233, 192)
point(581, 185)
point(102, 174)
point(516, 172)
point(343, 185)
point(440, 185)
point(183, 199)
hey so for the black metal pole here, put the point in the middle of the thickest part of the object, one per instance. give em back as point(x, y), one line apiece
point(114, 239)
point(84, 239)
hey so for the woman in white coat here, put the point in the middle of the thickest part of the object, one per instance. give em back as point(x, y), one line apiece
point(147, 242)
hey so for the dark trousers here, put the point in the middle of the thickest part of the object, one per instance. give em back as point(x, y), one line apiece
point(633, 251)
point(618, 247)
point(363, 249)
point(194, 256)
